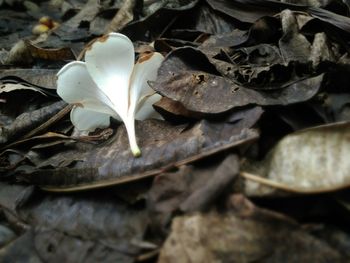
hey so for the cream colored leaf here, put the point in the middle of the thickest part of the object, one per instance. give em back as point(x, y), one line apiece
point(308, 161)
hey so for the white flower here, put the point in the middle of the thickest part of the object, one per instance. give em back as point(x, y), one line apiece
point(109, 84)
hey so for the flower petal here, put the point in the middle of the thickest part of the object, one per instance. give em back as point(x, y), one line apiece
point(145, 70)
point(74, 85)
point(87, 120)
point(146, 110)
point(110, 61)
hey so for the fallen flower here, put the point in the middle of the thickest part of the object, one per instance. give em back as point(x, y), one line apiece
point(109, 84)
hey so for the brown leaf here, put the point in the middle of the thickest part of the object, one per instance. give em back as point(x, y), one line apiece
point(234, 38)
point(206, 20)
point(111, 163)
point(63, 53)
point(159, 17)
point(174, 110)
point(72, 29)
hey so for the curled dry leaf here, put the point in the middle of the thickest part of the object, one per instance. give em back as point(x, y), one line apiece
point(191, 188)
point(8, 87)
point(43, 78)
point(251, 10)
point(28, 121)
point(293, 45)
point(160, 16)
point(201, 92)
point(243, 13)
point(308, 161)
point(50, 54)
point(204, 19)
point(199, 88)
point(24, 52)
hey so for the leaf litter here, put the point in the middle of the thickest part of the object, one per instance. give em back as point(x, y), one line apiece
point(249, 164)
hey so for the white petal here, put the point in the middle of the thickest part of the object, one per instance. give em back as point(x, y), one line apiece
point(145, 70)
point(110, 61)
point(146, 110)
point(74, 85)
point(86, 120)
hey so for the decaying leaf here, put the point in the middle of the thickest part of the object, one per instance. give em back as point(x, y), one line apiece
point(69, 215)
point(72, 228)
point(248, 234)
point(308, 161)
point(55, 246)
point(8, 87)
point(21, 249)
point(6, 235)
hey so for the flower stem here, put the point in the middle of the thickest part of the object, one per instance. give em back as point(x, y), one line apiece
point(130, 128)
